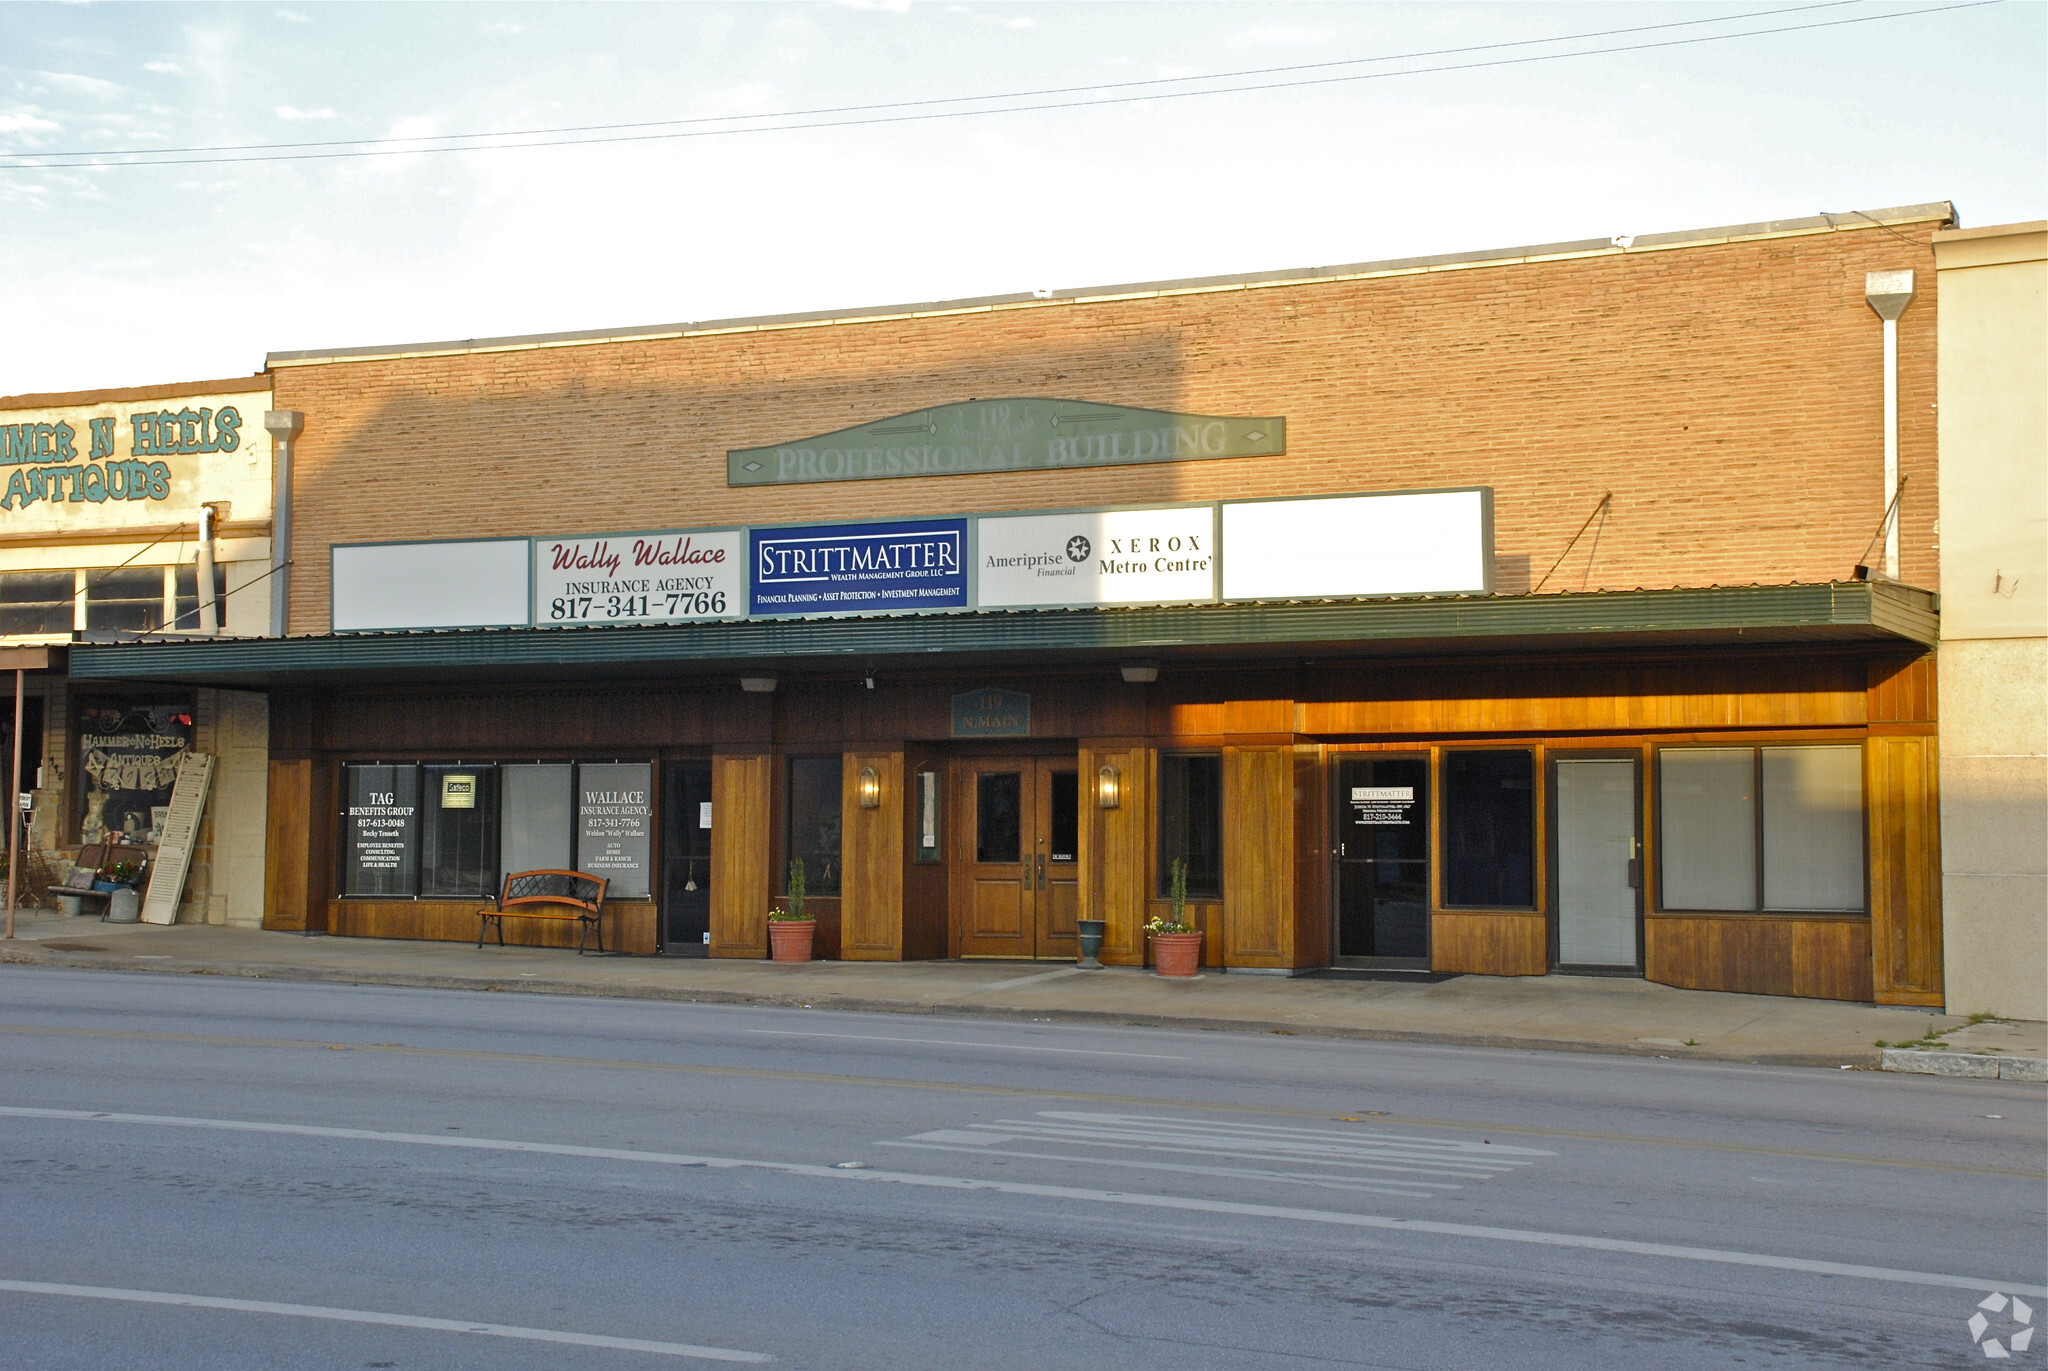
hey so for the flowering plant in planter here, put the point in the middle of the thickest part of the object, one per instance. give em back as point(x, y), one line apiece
point(1176, 942)
point(123, 873)
point(790, 930)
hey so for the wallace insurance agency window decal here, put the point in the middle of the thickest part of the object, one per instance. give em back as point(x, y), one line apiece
point(1025, 434)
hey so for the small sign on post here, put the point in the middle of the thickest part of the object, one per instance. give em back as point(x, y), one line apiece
point(181, 831)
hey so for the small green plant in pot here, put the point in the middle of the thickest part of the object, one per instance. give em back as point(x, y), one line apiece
point(1176, 942)
point(790, 930)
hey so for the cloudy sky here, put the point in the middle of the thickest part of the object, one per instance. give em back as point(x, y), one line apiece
point(123, 274)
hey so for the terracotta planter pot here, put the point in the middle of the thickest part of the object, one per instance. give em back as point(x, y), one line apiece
point(789, 940)
point(1177, 954)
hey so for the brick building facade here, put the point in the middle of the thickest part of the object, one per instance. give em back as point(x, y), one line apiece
point(1683, 438)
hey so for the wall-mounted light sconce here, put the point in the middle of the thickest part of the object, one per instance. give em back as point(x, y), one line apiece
point(1141, 673)
point(870, 789)
point(758, 685)
point(1109, 787)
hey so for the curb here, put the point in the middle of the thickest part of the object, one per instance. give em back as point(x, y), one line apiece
point(1120, 1018)
point(1968, 1065)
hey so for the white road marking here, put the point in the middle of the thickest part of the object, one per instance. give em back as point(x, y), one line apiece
point(1482, 1232)
point(961, 1042)
point(1412, 1190)
point(317, 1311)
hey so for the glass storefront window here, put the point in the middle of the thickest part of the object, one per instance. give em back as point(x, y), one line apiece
point(380, 831)
point(459, 831)
point(36, 602)
point(998, 816)
point(1489, 828)
point(1803, 852)
point(615, 826)
point(534, 807)
point(813, 833)
point(1813, 828)
point(1708, 808)
point(129, 598)
point(1191, 823)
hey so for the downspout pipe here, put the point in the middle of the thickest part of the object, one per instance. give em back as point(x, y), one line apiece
point(284, 425)
point(209, 612)
point(1888, 293)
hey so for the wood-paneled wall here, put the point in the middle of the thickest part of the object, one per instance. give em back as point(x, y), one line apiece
point(1476, 943)
point(1903, 794)
point(1760, 954)
point(871, 846)
point(1116, 851)
point(742, 793)
point(629, 925)
point(1258, 856)
point(288, 837)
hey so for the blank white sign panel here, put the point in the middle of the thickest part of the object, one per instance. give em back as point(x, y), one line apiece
point(431, 585)
point(1428, 543)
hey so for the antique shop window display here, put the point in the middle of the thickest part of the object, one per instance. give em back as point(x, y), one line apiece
point(1191, 823)
point(813, 833)
point(125, 757)
point(1762, 828)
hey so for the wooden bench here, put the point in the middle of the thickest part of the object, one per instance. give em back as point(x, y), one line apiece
point(549, 895)
point(93, 861)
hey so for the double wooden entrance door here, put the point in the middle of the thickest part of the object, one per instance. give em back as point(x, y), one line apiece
point(1016, 858)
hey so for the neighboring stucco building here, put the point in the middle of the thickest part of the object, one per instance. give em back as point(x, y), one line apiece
point(1993, 664)
point(103, 499)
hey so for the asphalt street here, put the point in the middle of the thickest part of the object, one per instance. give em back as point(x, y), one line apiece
point(202, 1172)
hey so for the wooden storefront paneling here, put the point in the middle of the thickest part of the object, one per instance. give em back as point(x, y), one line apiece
point(1258, 856)
point(1825, 692)
point(1115, 850)
point(926, 883)
point(871, 906)
point(1903, 794)
point(1902, 690)
point(741, 792)
point(629, 925)
point(289, 824)
point(1760, 954)
point(1486, 943)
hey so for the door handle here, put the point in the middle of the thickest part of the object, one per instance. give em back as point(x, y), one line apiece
point(1635, 873)
point(1041, 871)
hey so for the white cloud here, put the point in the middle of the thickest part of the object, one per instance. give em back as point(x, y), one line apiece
point(501, 29)
point(293, 17)
point(1278, 36)
point(24, 119)
point(287, 112)
point(1021, 21)
point(82, 85)
point(164, 68)
point(892, 6)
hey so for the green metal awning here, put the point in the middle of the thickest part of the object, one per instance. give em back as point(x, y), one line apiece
point(1843, 612)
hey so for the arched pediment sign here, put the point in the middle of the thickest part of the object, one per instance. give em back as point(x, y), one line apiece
point(1029, 434)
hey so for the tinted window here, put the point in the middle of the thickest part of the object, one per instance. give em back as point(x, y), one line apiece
point(1191, 823)
point(1489, 830)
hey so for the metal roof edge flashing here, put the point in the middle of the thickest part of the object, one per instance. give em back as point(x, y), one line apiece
point(1784, 613)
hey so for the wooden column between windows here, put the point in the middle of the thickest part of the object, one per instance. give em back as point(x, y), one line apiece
point(287, 902)
point(871, 890)
point(1259, 843)
point(1115, 875)
point(741, 808)
point(1902, 780)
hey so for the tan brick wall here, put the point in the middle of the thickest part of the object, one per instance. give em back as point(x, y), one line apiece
point(1730, 395)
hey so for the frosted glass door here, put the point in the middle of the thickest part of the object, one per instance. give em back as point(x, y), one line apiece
point(1596, 852)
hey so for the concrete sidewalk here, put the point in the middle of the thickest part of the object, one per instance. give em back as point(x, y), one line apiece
point(1577, 1013)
